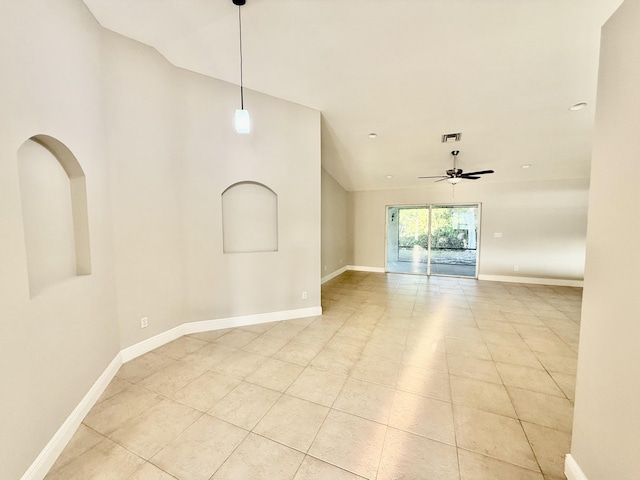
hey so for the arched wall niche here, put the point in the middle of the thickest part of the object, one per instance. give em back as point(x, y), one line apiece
point(249, 218)
point(54, 212)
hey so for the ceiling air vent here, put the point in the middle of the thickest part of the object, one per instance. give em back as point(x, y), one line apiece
point(451, 137)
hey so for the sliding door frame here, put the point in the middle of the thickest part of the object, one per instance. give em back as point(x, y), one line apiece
point(429, 207)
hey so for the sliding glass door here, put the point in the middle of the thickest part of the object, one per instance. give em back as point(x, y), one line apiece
point(433, 239)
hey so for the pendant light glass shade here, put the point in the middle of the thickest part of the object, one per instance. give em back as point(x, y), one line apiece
point(243, 121)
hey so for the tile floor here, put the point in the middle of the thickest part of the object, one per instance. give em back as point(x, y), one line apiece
point(402, 377)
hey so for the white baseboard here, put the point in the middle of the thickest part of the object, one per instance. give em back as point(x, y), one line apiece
point(334, 274)
point(571, 469)
point(152, 343)
point(52, 450)
point(241, 321)
point(559, 282)
point(360, 268)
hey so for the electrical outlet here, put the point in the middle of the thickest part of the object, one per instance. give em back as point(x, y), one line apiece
point(304, 295)
point(516, 268)
point(144, 322)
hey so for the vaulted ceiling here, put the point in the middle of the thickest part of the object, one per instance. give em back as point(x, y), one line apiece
point(502, 72)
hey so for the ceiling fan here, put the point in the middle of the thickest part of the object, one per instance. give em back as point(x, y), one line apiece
point(455, 175)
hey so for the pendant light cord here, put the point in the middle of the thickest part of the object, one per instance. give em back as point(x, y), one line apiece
point(241, 79)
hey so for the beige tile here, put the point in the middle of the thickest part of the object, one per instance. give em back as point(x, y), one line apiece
point(275, 374)
point(107, 416)
point(550, 447)
point(245, 405)
point(84, 439)
point(201, 449)
point(541, 409)
point(317, 386)
point(473, 368)
point(292, 422)
point(334, 361)
point(558, 363)
point(350, 442)
point(344, 343)
point(389, 334)
point(104, 461)
point(376, 370)
point(237, 338)
point(266, 345)
point(286, 329)
point(479, 467)
point(471, 333)
point(148, 471)
point(240, 364)
point(143, 366)
point(546, 345)
point(495, 325)
point(365, 399)
point(173, 377)
point(146, 434)
point(424, 416)
point(259, 458)
point(180, 347)
point(494, 435)
point(314, 336)
point(567, 384)
point(210, 336)
point(424, 382)
point(259, 328)
point(514, 355)
point(434, 358)
point(298, 352)
point(304, 321)
point(503, 338)
point(388, 351)
point(203, 392)
point(410, 456)
point(210, 355)
point(467, 348)
point(116, 385)
point(314, 469)
point(486, 396)
point(528, 378)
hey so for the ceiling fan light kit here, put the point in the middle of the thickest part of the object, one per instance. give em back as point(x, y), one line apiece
point(456, 175)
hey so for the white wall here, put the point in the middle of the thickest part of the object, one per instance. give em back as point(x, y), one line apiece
point(336, 239)
point(142, 108)
point(606, 430)
point(157, 148)
point(543, 224)
point(283, 153)
point(52, 346)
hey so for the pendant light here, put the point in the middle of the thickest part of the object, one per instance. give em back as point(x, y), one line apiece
point(242, 119)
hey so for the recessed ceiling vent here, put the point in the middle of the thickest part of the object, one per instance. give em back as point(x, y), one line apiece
point(451, 137)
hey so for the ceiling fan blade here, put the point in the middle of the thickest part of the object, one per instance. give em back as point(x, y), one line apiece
point(437, 176)
point(469, 177)
point(481, 172)
point(442, 179)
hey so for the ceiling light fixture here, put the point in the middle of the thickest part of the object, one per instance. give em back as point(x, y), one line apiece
point(242, 119)
point(373, 135)
point(578, 106)
point(389, 176)
point(454, 180)
point(528, 165)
